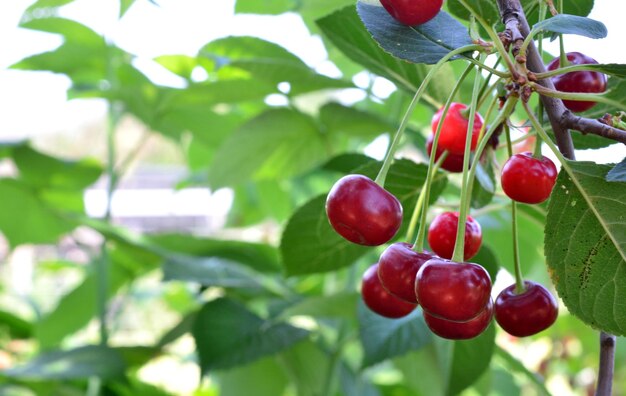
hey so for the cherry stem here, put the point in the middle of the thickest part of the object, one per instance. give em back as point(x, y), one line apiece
point(577, 96)
point(418, 246)
point(393, 147)
point(519, 280)
point(459, 246)
point(419, 205)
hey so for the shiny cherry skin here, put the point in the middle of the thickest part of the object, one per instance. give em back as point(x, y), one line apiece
point(527, 313)
point(528, 179)
point(363, 212)
point(460, 330)
point(397, 268)
point(412, 12)
point(452, 291)
point(584, 81)
point(452, 163)
point(454, 129)
point(380, 300)
point(442, 235)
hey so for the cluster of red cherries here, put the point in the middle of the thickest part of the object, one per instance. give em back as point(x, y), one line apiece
point(455, 296)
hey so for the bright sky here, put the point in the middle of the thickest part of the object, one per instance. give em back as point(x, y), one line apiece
point(179, 27)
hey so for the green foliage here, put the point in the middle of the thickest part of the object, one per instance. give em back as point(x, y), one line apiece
point(283, 315)
point(427, 44)
point(586, 245)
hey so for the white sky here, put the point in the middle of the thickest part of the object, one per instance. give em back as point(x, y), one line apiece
point(34, 103)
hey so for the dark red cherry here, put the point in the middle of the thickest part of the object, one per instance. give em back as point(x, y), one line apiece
point(379, 300)
point(397, 268)
point(454, 129)
point(442, 235)
point(460, 330)
point(412, 12)
point(452, 163)
point(452, 291)
point(527, 313)
point(584, 81)
point(363, 212)
point(528, 179)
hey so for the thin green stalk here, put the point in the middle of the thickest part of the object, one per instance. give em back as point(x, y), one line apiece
point(519, 280)
point(577, 96)
point(566, 69)
point(382, 174)
point(562, 55)
point(537, 150)
point(418, 245)
point(459, 249)
point(419, 205)
point(492, 105)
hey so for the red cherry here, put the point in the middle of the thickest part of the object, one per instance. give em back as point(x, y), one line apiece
point(397, 268)
point(454, 129)
point(379, 300)
point(412, 12)
point(442, 235)
point(526, 313)
point(452, 163)
point(460, 330)
point(528, 179)
point(584, 81)
point(452, 291)
point(363, 212)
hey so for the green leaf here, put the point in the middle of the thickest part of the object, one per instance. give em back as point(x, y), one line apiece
point(486, 9)
point(613, 69)
point(25, 218)
point(268, 62)
point(487, 258)
point(272, 7)
point(43, 8)
point(484, 186)
point(82, 56)
point(572, 7)
point(572, 24)
point(384, 338)
point(258, 256)
point(346, 31)
point(41, 170)
point(470, 359)
point(618, 173)
point(78, 307)
point(228, 335)
point(310, 245)
point(15, 326)
point(307, 365)
point(79, 363)
point(263, 377)
point(426, 43)
point(585, 245)
point(210, 272)
point(341, 305)
point(258, 201)
point(279, 143)
point(344, 122)
point(181, 65)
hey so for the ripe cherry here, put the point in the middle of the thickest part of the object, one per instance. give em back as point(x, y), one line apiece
point(442, 235)
point(412, 12)
point(454, 129)
point(584, 81)
point(379, 300)
point(527, 313)
point(452, 163)
point(528, 179)
point(460, 330)
point(397, 268)
point(363, 212)
point(452, 291)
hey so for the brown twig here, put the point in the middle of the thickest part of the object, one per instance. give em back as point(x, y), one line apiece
point(607, 359)
point(588, 125)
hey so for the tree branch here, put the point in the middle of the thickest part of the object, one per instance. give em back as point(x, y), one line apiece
point(588, 125)
point(607, 358)
point(511, 11)
point(561, 120)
